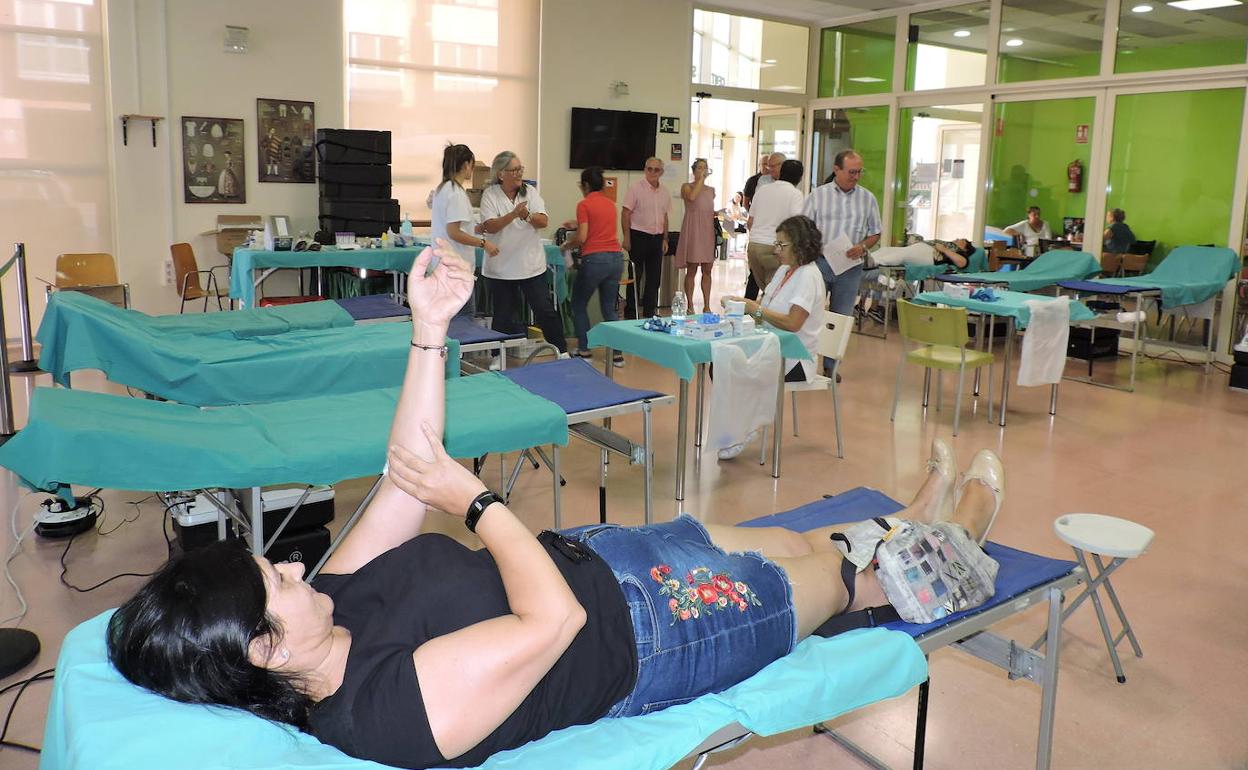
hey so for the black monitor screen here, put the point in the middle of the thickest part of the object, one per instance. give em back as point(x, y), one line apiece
point(612, 138)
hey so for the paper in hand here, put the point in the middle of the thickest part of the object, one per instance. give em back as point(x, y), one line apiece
point(834, 252)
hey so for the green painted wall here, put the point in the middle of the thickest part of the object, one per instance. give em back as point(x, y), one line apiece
point(901, 177)
point(1206, 53)
point(863, 53)
point(1016, 69)
point(1172, 166)
point(869, 136)
point(1033, 144)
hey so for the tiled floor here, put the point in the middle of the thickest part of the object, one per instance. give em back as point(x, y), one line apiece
point(1169, 456)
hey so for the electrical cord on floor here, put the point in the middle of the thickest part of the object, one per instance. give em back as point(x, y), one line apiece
point(18, 537)
point(164, 530)
point(42, 676)
point(1177, 358)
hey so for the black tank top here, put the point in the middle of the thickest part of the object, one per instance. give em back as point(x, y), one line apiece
point(431, 586)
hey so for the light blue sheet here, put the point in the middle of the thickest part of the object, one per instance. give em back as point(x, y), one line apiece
point(98, 721)
point(1045, 270)
point(1188, 275)
point(680, 354)
point(1011, 304)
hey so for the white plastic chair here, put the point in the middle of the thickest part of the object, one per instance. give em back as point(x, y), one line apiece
point(832, 342)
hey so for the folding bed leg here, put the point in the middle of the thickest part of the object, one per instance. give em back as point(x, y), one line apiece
point(649, 460)
point(920, 724)
point(1048, 681)
point(554, 472)
point(697, 410)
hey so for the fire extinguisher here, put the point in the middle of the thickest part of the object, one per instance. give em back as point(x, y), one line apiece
point(1074, 176)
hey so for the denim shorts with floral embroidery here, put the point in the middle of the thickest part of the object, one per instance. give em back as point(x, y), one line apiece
point(703, 619)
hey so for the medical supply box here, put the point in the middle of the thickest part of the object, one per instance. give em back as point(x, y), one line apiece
point(195, 521)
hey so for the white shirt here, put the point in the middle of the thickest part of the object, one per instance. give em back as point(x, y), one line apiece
point(806, 290)
point(520, 252)
point(854, 214)
point(451, 204)
point(1031, 237)
point(772, 205)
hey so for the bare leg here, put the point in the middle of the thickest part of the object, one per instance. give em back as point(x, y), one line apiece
point(690, 271)
point(706, 287)
point(974, 510)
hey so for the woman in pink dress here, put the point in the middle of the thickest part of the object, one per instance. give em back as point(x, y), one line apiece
point(696, 247)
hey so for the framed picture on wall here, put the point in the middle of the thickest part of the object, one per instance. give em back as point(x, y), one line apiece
point(286, 131)
point(213, 162)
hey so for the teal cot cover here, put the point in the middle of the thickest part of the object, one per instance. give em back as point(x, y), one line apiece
point(1045, 270)
point(116, 442)
point(66, 308)
point(680, 354)
point(1188, 275)
point(977, 262)
point(99, 721)
point(1008, 303)
point(223, 369)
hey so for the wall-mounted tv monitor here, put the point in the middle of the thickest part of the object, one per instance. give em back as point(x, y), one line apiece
point(612, 139)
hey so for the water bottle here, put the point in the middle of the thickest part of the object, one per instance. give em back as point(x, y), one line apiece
point(405, 229)
point(679, 305)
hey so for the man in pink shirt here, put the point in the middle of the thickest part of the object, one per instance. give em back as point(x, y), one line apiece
point(643, 223)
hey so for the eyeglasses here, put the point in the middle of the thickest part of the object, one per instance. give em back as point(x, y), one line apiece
point(854, 172)
point(654, 168)
point(782, 244)
point(516, 170)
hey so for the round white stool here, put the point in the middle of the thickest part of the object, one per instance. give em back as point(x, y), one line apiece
point(1118, 539)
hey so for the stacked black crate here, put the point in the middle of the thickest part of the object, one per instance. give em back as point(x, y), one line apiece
point(353, 172)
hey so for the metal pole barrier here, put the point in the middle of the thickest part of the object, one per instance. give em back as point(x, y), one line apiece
point(6, 393)
point(28, 362)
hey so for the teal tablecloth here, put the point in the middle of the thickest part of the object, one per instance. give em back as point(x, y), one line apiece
point(246, 261)
point(1045, 270)
point(1009, 303)
point(116, 442)
point(680, 354)
point(1188, 275)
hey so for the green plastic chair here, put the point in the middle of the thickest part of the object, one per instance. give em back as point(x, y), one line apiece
point(942, 336)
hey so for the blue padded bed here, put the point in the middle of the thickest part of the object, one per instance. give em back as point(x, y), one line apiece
point(819, 680)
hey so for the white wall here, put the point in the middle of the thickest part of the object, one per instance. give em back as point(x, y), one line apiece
point(167, 58)
point(586, 46)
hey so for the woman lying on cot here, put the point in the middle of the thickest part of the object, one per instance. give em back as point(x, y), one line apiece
point(956, 253)
point(416, 651)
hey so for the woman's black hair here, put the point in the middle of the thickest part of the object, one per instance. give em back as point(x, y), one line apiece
point(592, 179)
point(791, 171)
point(965, 252)
point(454, 156)
point(187, 635)
point(806, 240)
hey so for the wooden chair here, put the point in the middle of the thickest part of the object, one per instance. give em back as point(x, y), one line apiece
point(1136, 259)
point(942, 336)
point(186, 275)
point(94, 274)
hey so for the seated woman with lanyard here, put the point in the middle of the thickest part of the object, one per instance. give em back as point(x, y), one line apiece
point(414, 650)
point(794, 299)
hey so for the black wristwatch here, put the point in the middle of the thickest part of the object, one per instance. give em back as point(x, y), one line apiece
point(477, 507)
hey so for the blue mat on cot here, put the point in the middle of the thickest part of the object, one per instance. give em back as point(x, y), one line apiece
point(820, 680)
point(1095, 287)
point(1020, 571)
point(575, 385)
point(468, 333)
point(371, 307)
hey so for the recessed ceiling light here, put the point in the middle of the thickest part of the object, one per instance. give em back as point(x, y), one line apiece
point(1203, 5)
point(962, 33)
point(1013, 42)
point(1141, 9)
point(866, 79)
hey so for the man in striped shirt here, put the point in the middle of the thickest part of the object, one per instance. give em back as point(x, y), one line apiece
point(842, 207)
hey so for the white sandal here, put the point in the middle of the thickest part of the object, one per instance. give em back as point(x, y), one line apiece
point(986, 468)
point(943, 462)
